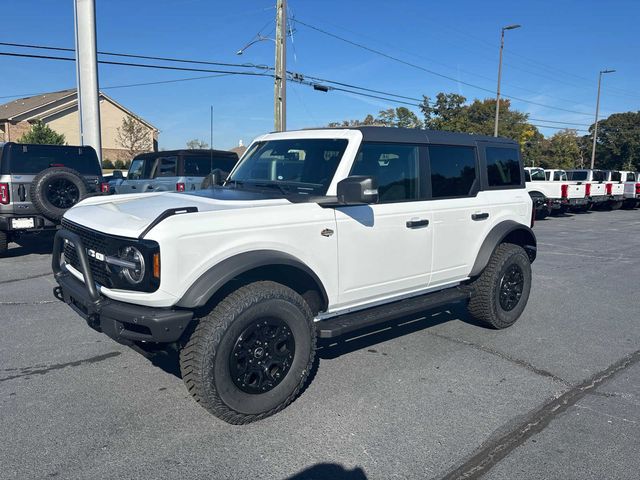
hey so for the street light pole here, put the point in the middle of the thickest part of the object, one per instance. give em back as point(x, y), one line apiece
point(280, 82)
point(595, 128)
point(508, 27)
point(87, 74)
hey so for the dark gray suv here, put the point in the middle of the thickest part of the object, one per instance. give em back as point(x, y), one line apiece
point(38, 183)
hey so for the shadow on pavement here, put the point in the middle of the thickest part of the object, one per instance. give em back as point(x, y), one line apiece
point(168, 359)
point(329, 471)
point(41, 244)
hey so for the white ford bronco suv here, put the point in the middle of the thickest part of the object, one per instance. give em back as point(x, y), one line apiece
point(315, 233)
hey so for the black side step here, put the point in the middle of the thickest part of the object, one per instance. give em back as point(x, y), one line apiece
point(349, 322)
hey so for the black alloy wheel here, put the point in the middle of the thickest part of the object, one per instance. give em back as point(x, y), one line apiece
point(262, 355)
point(511, 287)
point(62, 193)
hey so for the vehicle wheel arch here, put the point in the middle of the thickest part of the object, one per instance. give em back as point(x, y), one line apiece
point(247, 267)
point(507, 231)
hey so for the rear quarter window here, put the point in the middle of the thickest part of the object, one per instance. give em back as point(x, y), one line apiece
point(503, 167)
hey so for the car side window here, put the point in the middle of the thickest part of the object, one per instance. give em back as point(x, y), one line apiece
point(395, 167)
point(503, 167)
point(197, 166)
point(166, 166)
point(453, 170)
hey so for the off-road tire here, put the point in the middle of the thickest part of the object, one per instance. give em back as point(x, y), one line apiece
point(205, 355)
point(40, 185)
point(485, 303)
point(4, 243)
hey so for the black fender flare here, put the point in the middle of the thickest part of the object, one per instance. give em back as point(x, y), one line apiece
point(519, 233)
point(220, 274)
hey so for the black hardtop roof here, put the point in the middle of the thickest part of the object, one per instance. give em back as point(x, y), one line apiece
point(8, 145)
point(416, 135)
point(188, 151)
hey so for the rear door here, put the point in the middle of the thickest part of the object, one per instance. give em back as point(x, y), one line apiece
point(384, 249)
point(461, 214)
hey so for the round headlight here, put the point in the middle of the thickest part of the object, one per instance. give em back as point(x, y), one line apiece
point(135, 274)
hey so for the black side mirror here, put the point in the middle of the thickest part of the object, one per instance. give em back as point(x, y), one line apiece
point(358, 190)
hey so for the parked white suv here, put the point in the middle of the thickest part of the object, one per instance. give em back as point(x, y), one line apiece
point(315, 233)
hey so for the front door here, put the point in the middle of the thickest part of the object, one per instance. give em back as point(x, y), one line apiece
point(384, 249)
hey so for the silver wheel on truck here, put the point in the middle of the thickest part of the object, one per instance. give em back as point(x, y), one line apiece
point(250, 356)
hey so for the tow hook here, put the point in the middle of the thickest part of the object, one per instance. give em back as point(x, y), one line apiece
point(57, 292)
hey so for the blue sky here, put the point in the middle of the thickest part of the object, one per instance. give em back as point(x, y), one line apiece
point(552, 60)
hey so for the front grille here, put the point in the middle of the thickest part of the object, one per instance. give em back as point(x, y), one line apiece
point(92, 240)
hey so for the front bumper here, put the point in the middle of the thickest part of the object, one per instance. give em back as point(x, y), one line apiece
point(124, 322)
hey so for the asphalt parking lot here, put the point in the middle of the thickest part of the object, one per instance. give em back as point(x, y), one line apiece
point(433, 396)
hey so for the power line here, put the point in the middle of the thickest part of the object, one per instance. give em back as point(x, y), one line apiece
point(348, 88)
point(140, 65)
point(432, 72)
point(142, 57)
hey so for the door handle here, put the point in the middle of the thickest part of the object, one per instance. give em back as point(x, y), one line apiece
point(479, 216)
point(417, 223)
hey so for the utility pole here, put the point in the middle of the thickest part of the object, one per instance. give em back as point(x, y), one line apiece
point(595, 128)
point(87, 74)
point(508, 27)
point(211, 124)
point(280, 83)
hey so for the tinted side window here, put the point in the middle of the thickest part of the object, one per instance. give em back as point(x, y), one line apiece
point(503, 167)
point(395, 166)
point(166, 166)
point(453, 170)
point(197, 166)
point(548, 175)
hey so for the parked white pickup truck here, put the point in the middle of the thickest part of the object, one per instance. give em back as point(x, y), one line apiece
point(614, 188)
point(594, 181)
point(553, 196)
point(631, 193)
point(576, 191)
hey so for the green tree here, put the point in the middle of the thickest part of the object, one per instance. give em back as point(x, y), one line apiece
point(107, 164)
point(562, 150)
point(119, 165)
point(618, 141)
point(42, 134)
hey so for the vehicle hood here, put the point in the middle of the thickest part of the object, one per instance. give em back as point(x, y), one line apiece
point(130, 215)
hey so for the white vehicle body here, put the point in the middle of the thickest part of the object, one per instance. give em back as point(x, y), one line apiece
point(356, 266)
point(559, 194)
point(315, 233)
point(631, 183)
point(594, 180)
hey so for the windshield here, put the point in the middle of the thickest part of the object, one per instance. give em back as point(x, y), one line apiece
point(303, 166)
point(537, 174)
point(599, 176)
point(616, 176)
